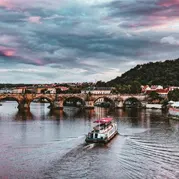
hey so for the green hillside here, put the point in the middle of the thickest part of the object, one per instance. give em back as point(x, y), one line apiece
point(163, 73)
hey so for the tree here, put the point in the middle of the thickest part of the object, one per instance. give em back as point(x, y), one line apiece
point(164, 104)
point(100, 84)
point(114, 91)
point(58, 90)
point(43, 91)
point(28, 91)
point(163, 73)
point(174, 95)
point(74, 90)
point(135, 87)
point(154, 96)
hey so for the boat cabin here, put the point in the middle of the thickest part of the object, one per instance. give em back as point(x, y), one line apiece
point(103, 131)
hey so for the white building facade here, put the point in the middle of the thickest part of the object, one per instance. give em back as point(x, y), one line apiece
point(100, 90)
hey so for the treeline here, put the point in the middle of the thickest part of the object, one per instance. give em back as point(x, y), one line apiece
point(134, 87)
point(158, 73)
point(173, 95)
point(8, 85)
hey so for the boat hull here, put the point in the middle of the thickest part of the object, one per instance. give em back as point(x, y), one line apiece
point(104, 141)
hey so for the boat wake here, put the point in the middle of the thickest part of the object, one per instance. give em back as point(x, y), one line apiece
point(131, 131)
point(137, 156)
point(89, 146)
point(144, 155)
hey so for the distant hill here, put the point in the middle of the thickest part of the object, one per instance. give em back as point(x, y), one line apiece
point(163, 73)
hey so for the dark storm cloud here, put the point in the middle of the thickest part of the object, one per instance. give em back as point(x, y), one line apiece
point(96, 39)
point(91, 44)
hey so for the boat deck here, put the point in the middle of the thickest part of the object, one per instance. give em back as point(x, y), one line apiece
point(96, 140)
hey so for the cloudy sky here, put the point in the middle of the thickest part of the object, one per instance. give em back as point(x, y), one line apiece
point(45, 41)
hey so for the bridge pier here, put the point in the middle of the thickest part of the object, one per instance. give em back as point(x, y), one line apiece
point(23, 105)
point(57, 105)
point(89, 104)
point(119, 104)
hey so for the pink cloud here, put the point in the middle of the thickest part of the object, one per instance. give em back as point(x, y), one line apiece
point(30, 58)
point(35, 19)
point(7, 52)
point(5, 3)
point(39, 62)
point(167, 3)
point(161, 19)
point(156, 20)
point(21, 56)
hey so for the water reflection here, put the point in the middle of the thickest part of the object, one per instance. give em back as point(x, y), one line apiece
point(56, 114)
point(23, 115)
point(174, 124)
point(44, 143)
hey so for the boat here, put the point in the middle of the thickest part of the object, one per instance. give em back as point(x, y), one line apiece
point(174, 110)
point(103, 132)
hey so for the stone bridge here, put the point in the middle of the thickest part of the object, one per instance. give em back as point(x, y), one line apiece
point(57, 100)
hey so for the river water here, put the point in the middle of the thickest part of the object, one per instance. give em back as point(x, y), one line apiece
point(50, 145)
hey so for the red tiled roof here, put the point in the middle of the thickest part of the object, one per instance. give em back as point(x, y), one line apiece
point(166, 90)
point(63, 88)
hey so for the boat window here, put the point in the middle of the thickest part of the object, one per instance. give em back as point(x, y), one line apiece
point(96, 135)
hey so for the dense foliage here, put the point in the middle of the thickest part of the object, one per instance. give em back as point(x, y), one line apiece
point(134, 88)
point(163, 73)
point(173, 95)
point(154, 97)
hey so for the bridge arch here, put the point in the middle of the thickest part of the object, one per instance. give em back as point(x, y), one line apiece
point(41, 97)
point(10, 98)
point(74, 101)
point(132, 102)
point(104, 101)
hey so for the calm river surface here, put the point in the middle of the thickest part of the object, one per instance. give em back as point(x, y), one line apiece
point(50, 145)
